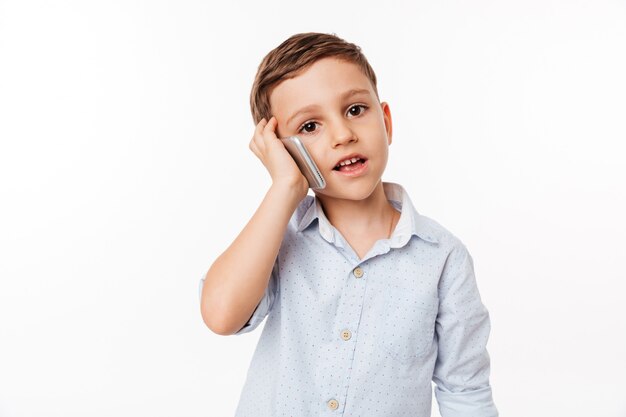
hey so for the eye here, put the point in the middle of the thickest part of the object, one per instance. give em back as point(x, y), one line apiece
point(357, 109)
point(308, 127)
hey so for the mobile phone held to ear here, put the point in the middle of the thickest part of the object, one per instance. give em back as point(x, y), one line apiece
point(303, 159)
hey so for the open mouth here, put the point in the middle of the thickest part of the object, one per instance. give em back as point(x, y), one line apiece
point(350, 164)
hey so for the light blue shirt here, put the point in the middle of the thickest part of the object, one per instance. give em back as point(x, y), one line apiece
point(365, 337)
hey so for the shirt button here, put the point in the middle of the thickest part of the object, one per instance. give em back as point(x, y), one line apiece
point(358, 272)
point(333, 404)
point(346, 334)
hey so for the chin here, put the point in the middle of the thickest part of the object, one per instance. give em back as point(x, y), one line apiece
point(355, 192)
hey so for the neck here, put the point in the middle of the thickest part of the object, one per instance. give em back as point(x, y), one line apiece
point(375, 213)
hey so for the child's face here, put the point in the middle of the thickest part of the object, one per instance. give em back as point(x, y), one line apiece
point(333, 109)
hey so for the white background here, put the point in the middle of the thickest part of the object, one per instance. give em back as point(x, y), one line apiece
point(125, 171)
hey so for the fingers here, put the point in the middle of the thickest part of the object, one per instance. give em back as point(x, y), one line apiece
point(263, 133)
point(266, 145)
point(270, 126)
point(256, 143)
point(267, 128)
point(254, 148)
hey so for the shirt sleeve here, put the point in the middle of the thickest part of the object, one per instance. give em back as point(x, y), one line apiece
point(265, 305)
point(462, 369)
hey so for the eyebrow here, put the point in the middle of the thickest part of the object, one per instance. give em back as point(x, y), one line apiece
point(347, 94)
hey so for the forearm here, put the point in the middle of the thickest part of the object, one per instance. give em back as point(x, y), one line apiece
point(236, 281)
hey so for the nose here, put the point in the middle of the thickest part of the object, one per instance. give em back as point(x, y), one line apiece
point(342, 134)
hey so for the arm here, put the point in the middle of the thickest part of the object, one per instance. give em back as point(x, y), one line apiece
point(462, 368)
point(236, 282)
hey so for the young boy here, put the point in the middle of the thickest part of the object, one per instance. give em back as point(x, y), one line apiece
point(367, 300)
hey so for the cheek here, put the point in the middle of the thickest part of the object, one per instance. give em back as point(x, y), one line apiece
point(316, 150)
point(383, 154)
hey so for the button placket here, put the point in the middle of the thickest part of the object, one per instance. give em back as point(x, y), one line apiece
point(354, 301)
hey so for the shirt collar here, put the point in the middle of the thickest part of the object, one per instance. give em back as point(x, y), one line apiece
point(410, 222)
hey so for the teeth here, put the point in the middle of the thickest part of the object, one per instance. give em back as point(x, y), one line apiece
point(347, 162)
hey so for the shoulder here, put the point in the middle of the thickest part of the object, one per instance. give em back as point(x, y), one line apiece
point(425, 227)
point(443, 235)
point(432, 230)
point(304, 206)
point(453, 251)
point(302, 215)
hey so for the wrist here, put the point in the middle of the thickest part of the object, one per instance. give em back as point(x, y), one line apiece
point(290, 191)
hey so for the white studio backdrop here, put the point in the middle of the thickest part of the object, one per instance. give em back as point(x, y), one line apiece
point(125, 171)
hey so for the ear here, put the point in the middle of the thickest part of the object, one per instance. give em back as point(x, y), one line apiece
point(387, 119)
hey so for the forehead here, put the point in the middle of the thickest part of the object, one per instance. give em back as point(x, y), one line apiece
point(324, 82)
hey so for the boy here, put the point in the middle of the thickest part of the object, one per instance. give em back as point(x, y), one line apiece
point(367, 300)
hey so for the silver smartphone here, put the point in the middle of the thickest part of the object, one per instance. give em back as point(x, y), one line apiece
point(303, 159)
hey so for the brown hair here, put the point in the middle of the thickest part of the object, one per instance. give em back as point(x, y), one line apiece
point(292, 57)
